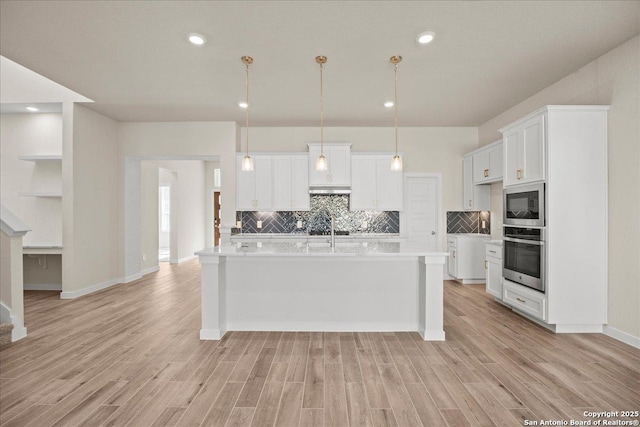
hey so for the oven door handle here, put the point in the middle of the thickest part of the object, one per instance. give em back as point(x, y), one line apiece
point(529, 242)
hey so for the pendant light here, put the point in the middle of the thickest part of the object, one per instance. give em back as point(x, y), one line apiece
point(247, 161)
point(321, 161)
point(396, 162)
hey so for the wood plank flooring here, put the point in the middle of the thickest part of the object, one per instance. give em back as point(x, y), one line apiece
point(130, 355)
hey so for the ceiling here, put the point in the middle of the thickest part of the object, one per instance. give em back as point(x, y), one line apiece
point(133, 58)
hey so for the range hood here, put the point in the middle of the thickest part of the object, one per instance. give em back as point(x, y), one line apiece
point(327, 190)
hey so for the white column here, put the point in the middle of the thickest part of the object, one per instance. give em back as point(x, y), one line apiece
point(430, 294)
point(214, 298)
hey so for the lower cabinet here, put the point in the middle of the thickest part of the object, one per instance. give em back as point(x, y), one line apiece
point(466, 257)
point(493, 267)
point(525, 300)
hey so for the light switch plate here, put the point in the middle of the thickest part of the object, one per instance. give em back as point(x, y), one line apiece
point(299, 224)
point(259, 224)
point(365, 224)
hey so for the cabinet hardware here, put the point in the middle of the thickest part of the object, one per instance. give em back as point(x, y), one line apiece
point(486, 173)
point(469, 202)
point(521, 300)
point(454, 254)
point(519, 174)
point(485, 264)
point(493, 252)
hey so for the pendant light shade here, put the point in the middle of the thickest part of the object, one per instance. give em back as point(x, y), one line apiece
point(396, 162)
point(247, 161)
point(321, 161)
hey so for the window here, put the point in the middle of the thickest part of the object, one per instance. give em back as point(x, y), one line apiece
point(165, 208)
point(216, 178)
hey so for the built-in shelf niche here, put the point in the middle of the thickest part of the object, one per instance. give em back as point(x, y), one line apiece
point(42, 158)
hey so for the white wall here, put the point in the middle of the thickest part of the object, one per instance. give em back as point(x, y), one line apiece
point(425, 149)
point(30, 134)
point(613, 79)
point(91, 205)
point(168, 178)
point(149, 200)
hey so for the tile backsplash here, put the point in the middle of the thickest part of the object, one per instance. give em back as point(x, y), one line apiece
point(469, 222)
point(318, 218)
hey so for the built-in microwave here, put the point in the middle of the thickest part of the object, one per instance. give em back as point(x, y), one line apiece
point(524, 205)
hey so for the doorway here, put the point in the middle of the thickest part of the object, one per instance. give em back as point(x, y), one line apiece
point(164, 223)
point(216, 218)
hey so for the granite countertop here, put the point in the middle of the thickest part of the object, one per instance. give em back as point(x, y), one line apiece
point(342, 249)
point(495, 242)
point(485, 236)
point(315, 236)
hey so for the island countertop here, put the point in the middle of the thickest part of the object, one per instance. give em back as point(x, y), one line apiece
point(310, 249)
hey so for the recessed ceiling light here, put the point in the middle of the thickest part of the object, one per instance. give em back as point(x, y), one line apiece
point(32, 109)
point(197, 39)
point(388, 104)
point(243, 104)
point(426, 37)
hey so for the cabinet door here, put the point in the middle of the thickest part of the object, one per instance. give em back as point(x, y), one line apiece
point(263, 185)
point(363, 183)
point(494, 277)
point(511, 142)
point(467, 183)
point(317, 177)
point(246, 188)
point(389, 186)
point(339, 165)
point(300, 183)
point(481, 167)
point(532, 150)
point(282, 185)
point(495, 163)
point(453, 262)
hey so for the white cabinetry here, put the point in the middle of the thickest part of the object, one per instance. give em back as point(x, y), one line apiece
point(487, 163)
point(374, 186)
point(475, 197)
point(254, 188)
point(466, 257)
point(338, 157)
point(493, 266)
point(290, 182)
point(565, 146)
point(524, 151)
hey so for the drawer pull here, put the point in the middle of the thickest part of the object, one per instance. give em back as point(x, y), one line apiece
point(493, 252)
point(521, 300)
point(485, 264)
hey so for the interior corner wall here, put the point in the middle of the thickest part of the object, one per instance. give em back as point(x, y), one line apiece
point(612, 79)
point(424, 149)
point(150, 222)
point(94, 204)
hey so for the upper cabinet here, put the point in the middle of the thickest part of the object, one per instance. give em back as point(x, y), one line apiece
point(374, 186)
point(338, 157)
point(290, 182)
point(487, 164)
point(474, 197)
point(254, 188)
point(524, 151)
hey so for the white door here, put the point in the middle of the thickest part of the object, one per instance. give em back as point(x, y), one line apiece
point(467, 184)
point(264, 190)
point(363, 183)
point(282, 197)
point(339, 165)
point(300, 183)
point(532, 151)
point(421, 209)
point(511, 162)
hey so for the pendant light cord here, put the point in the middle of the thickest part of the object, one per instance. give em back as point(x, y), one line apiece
point(321, 115)
point(395, 102)
point(247, 109)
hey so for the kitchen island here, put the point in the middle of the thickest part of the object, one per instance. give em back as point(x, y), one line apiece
point(311, 286)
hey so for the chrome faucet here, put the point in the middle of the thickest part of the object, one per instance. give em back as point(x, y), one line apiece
point(333, 232)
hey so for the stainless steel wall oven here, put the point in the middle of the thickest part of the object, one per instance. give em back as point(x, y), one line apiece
point(524, 256)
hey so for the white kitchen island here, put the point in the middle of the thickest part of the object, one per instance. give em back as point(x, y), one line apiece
point(310, 286)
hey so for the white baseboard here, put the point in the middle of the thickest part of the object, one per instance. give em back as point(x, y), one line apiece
point(42, 286)
point(150, 270)
point(211, 334)
point(181, 260)
point(621, 336)
point(562, 328)
point(90, 289)
point(132, 278)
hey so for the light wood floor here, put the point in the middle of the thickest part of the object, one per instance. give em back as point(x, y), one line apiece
point(131, 355)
